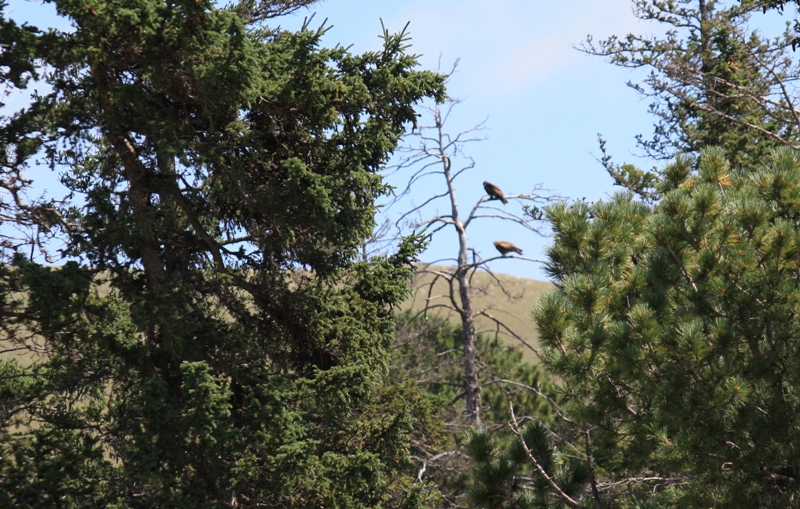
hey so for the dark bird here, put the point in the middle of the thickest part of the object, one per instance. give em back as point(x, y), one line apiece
point(494, 192)
point(506, 247)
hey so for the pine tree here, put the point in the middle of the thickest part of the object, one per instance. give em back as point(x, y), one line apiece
point(674, 330)
point(713, 79)
point(673, 321)
point(208, 339)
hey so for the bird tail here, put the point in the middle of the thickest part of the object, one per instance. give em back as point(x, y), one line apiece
point(503, 199)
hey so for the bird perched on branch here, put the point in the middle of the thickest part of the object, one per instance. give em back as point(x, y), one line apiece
point(506, 247)
point(494, 192)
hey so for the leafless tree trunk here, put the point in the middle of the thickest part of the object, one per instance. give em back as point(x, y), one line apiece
point(472, 390)
point(433, 156)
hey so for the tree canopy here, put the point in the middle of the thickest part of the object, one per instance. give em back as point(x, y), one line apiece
point(674, 331)
point(714, 78)
point(210, 340)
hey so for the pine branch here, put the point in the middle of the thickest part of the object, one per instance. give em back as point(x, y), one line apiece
point(514, 425)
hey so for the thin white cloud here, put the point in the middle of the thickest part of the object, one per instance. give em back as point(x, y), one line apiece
point(514, 44)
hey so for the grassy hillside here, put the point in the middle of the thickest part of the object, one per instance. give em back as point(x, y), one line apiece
point(503, 297)
point(506, 298)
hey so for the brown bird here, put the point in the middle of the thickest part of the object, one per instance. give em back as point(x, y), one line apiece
point(494, 192)
point(506, 247)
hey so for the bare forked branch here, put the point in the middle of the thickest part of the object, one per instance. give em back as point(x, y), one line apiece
point(31, 226)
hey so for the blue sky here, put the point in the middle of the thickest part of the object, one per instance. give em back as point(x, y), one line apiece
point(543, 101)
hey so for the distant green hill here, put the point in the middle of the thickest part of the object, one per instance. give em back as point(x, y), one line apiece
point(512, 306)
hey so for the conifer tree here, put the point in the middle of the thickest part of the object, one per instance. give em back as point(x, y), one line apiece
point(208, 339)
point(713, 79)
point(673, 323)
point(674, 329)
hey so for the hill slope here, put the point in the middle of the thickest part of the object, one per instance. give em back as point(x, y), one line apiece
point(505, 298)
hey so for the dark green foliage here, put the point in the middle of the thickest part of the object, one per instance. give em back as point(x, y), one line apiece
point(674, 331)
point(506, 477)
point(428, 353)
point(212, 343)
point(713, 79)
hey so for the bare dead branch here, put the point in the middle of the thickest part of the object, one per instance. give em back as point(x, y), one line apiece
point(514, 425)
point(556, 408)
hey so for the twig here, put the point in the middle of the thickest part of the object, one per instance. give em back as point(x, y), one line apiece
point(514, 425)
